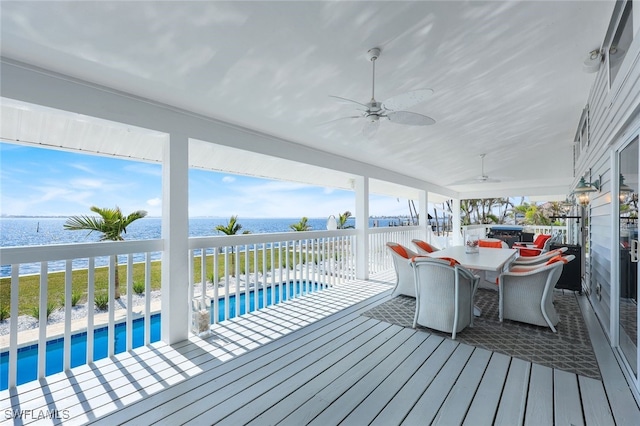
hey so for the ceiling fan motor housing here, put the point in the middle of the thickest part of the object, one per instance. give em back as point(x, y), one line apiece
point(373, 54)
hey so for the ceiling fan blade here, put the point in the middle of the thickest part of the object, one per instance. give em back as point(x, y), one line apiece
point(370, 128)
point(474, 181)
point(349, 100)
point(407, 100)
point(410, 118)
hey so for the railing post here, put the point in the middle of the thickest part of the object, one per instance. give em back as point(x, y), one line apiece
point(175, 232)
point(456, 237)
point(423, 214)
point(362, 227)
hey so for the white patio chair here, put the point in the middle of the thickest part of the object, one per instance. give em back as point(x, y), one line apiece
point(540, 259)
point(527, 296)
point(423, 247)
point(401, 256)
point(444, 294)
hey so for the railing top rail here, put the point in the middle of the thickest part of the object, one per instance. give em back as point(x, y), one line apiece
point(389, 229)
point(248, 239)
point(30, 254)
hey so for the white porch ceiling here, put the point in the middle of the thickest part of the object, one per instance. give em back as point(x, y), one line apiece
point(507, 77)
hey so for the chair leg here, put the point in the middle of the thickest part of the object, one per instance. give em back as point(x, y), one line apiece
point(546, 317)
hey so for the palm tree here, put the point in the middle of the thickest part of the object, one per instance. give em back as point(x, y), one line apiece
point(342, 220)
point(232, 228)
point(301, 226)
point(111, 224)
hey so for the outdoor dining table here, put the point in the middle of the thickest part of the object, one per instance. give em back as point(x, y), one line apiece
point(486, 259)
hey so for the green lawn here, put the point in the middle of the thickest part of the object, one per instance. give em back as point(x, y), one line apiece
point(29, 295)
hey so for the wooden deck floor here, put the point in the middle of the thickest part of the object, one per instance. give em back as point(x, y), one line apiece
point(317, 361)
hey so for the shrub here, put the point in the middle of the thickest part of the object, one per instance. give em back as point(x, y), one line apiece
point(35, 311)
point(138, 287)
point(4, 312)
point(75, 298)
point(102, 302)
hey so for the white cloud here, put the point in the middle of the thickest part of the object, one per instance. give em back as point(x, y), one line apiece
point(154, 202)
point(86, 183)
point(228, 179)
point(84, 168)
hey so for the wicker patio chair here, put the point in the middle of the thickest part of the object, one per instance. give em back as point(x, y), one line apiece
point(444, 294)
point(423, 247)
point(527, 296)
point(401, 256)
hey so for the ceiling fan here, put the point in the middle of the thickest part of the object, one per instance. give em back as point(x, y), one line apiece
point(482, 178)
point(391, 109)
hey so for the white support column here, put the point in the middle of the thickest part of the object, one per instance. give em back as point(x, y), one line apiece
point(175, 233)
point(423, 214)
point(457, 236)
point(362, 226)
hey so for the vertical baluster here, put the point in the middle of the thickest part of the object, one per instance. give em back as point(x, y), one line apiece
point(42, 327)
point(294, 267)
point(265, 284)
point(215, 303)
point(237, 280)
point(190, 288)
point(111, 337)
point(286, 261)
point(322, 259)
point(334, 261)
point(226, 284)
point(68, 281)
point(343, 258)
point(300, 260)
point(203, 277)
point(247, 279)
point(256, 267)
point(309, 265)
point(338, 248)
point(91, 280)
point(13, 327)
point(272, 271)
point(129, 302)
point(147, 298)
point(281, 266)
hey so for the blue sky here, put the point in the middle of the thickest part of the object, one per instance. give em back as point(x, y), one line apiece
point(43, 182)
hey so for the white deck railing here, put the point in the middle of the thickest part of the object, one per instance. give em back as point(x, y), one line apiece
point(71, 254)
point(379, 257)
point(257, 270)
point(484, 229)
point(229, 268)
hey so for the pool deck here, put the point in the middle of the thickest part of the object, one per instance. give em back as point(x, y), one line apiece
point(316, 360)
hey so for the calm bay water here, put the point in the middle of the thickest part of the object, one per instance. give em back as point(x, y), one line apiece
point(43, 231)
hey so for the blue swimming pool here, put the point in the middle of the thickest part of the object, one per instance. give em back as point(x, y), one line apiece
point(28, 355)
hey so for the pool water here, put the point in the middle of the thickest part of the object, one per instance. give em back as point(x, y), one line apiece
point(28, 355)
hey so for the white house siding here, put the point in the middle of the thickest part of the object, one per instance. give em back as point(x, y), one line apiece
point(613, 113)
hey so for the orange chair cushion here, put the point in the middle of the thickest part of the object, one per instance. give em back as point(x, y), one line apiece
point(529, 252)
point(400, 250)
point(555, 259)
point(451, 260)
point(540, 240)
point(425, 246)
point(490, 244)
